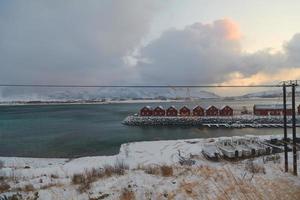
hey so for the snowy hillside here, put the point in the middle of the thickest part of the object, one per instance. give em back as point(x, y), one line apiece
point(40, 94)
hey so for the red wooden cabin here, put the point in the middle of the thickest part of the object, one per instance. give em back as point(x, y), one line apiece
point(212, 111)
point(146, 111)
point(159, 111)
point(271, 109)
point(288, 111)
point(226, 111)
point(184, 111)
point(172, 111)
point(198, 111)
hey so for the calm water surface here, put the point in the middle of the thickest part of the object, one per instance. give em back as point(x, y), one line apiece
point(81, 130)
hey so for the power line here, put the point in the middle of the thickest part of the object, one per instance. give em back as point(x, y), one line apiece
point(138, 86)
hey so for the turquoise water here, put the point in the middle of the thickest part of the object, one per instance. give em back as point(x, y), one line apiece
point(81, 130)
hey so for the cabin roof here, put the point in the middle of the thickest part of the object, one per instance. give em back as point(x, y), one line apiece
point(184, 107)
point(198, 107)
point(161, 107)
point(221, 108)
point(272, 106)
point(172, 107)
point(211, 107)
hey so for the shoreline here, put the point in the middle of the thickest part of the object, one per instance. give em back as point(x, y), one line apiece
point(142, 166)
point(83, 102)
point(90, 103)
point(121, 150)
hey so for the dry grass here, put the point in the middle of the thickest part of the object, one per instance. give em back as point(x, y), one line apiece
point(54, 176)
point(127, 195)
point(189, 188)
point(84, 180)
point(78, 179)
point(206, 171)
point(50, 185)
point(4, 187)
point(149, 169)
point(85, 186)
point(238, 188)
point(119, 168)
point(88, 177)
point(152, 170)
point(28, 188)
point(254, 168)
point(13, 176)
point(222, 184)
point(166, 170)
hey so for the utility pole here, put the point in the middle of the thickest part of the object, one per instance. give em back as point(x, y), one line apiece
point(294, 130)
point(286, 165)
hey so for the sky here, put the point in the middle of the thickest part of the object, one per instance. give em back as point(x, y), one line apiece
point(149, 42)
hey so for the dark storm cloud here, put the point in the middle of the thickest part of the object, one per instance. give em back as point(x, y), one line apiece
point(70, 41)
point(197, 53)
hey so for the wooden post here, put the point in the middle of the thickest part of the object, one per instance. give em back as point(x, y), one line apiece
point(294, 131)
point(286, 164)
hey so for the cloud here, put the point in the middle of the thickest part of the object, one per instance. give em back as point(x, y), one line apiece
point(262, 77)
point(292, 49)
point(199, 53)
point(228, 28)
point(212, 54)
point(96, 42)
point(70, 41)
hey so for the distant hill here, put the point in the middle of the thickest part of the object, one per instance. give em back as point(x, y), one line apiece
point(100, 94)
point(269, 94)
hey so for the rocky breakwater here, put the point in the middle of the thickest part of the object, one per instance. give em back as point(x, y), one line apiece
point(162, 121)
point(200, 121)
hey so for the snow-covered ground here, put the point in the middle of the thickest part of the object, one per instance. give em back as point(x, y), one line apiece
point(38, 178)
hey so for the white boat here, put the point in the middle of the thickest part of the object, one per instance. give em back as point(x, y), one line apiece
point(240, 144)
point(228, 150)
point(254, 143)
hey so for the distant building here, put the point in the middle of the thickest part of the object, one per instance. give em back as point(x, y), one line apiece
point(212, 111)
point(198, 111)
point(184, 111)
point(146, 111)
point(172, 111)
point(226, 111)
point(159, 111)
point(271, 109)
point(245, 111)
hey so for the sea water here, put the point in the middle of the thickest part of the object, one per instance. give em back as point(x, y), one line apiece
point(96, 129)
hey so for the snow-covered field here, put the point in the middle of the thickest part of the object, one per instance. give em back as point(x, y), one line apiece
point(148, 170)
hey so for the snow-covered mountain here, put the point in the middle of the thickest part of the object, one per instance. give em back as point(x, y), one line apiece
point(270, 93)
point(50, 94)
